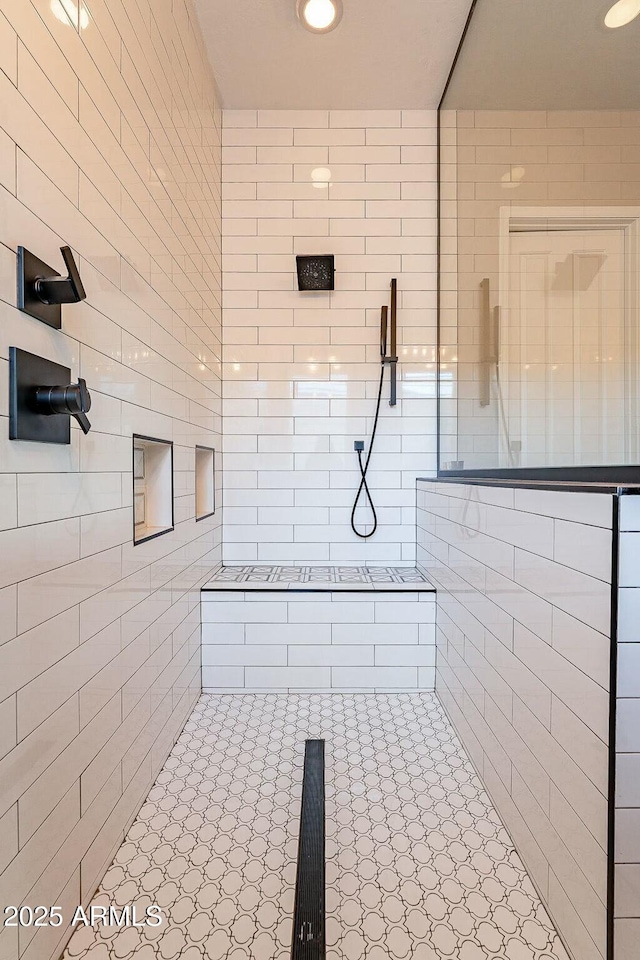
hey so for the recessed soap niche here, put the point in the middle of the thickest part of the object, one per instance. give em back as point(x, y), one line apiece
point(152, 488)
point(205, 482)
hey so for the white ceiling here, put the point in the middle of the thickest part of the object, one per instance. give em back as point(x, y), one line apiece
point(384, 55)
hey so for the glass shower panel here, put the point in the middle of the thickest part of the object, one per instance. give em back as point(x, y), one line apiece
point(539, 306)
point(539, 240)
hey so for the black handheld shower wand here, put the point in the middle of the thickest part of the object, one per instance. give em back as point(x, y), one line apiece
point(390, 360)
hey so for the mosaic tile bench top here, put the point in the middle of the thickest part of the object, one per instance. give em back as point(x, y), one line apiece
point(329, 578)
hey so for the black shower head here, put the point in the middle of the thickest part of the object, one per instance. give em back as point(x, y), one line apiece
point(316, 273)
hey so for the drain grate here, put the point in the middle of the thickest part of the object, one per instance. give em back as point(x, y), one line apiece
point(308, 940)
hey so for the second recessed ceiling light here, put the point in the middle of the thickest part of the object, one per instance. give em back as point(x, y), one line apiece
point(319, 16)
point(622, 13)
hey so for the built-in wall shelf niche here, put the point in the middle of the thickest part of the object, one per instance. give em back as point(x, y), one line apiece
point(205, 482)
point(152, 488)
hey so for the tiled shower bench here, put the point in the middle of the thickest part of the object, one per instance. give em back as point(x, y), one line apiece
point(307, 629)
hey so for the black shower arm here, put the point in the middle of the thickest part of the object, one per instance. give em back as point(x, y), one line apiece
point(57, 290)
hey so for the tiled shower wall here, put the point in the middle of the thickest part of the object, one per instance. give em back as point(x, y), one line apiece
point(302, 369)
point(109, 141)
point(493, 160)
point(523, 668)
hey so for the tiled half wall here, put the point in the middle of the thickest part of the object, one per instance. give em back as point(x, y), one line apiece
point(109, 142)
point(301, 370)
point(523, 668)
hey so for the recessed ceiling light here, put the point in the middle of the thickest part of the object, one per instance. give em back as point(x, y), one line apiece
point(622, 13)
point(319, 16)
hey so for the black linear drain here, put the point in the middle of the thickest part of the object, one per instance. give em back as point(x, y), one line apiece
point(308, 940)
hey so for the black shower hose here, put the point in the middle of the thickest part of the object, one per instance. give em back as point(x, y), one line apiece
point(363, 473)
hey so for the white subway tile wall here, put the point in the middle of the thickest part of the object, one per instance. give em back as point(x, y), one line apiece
point(301, 370)
point(275, 641)
point(109, 142)
point(627, 847)
point(523, 640)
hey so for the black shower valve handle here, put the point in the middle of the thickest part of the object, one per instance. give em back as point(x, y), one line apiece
point(83, 422)
point(57, 290)
point(74, 275)
point(73, 399)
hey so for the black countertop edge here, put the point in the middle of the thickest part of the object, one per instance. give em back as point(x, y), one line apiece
point(569, 486)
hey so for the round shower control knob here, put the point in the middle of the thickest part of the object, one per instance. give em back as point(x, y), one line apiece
point(73, 399)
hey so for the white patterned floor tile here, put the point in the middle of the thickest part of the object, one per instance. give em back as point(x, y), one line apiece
point(419, 866)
